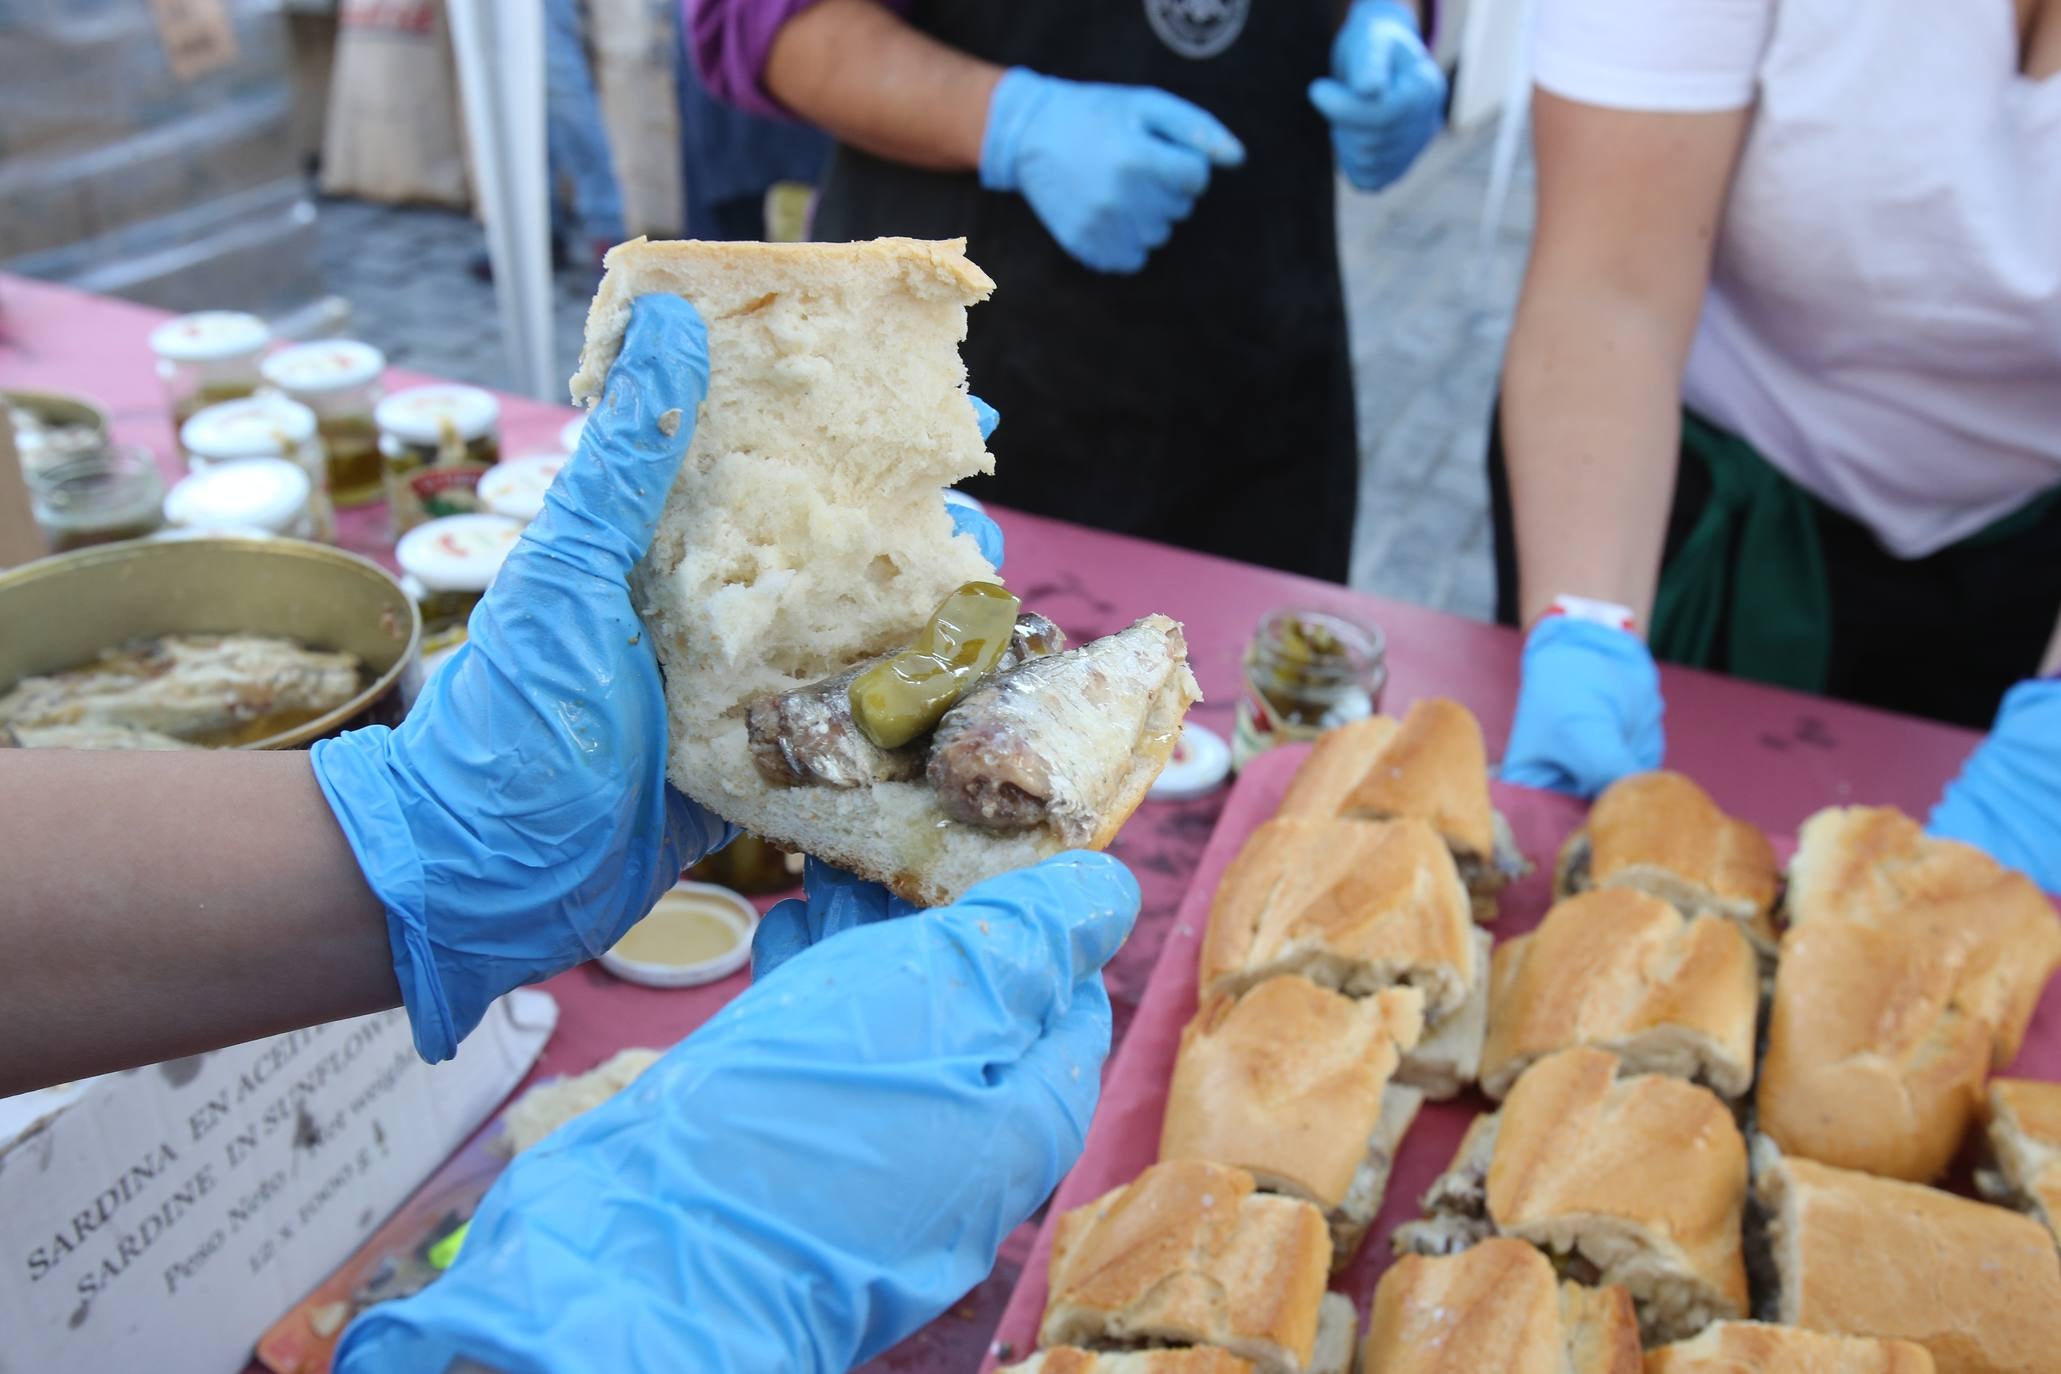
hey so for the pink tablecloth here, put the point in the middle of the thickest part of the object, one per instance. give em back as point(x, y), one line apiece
point(1769, 755)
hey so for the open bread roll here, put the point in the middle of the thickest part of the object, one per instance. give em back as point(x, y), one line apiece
point(805, 535)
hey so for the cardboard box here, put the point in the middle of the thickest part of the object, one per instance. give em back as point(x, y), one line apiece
point(162, 1218)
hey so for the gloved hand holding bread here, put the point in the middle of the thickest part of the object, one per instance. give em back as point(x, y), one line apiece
point(845, 675)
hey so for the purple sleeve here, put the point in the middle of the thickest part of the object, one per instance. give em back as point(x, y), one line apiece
point(731, 40)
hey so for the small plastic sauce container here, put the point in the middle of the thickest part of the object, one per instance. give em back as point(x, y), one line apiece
point(265, 426)
point(96, 496)
point(696, 934)
point(515, 488)
point(338, 379)
point(435, 443)
point(1306, 671)
point(264, 495)
point(569, 435)
point(207, 358)
point(447, 566)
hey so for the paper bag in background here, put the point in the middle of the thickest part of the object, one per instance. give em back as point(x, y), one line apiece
point(161, 1219)
point(635, 44)
point(394, 132)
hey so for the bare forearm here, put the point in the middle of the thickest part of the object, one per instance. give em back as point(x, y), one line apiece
point(874, 82)
point(1591, 425)
point(157, 905)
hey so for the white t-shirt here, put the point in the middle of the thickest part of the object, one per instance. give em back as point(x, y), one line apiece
point(1884, 317)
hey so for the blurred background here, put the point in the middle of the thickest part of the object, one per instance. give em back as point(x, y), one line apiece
point(307, 160)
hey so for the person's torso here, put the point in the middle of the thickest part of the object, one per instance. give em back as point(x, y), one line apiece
point(1884, 319)
point(1218, 374)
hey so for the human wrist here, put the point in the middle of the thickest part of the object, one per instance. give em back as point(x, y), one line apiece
point(1019, 97)
point(1390, 9)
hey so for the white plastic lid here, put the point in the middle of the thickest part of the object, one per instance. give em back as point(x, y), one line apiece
point(269, 494)
point(515, 488)
point(254, 427)
point(458, 553)
point(1200, 763)
point(569, 437)
point(327, 365)
point(955, 497)
point(209, 336)
point(419, 414)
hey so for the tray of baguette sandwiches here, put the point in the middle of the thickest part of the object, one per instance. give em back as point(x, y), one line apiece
point(1438, 1074)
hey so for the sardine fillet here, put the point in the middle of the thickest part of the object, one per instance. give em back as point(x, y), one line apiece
point(186, 685)
point(1055, 741)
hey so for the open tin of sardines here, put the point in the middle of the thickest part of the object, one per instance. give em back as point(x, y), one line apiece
point(202, 643)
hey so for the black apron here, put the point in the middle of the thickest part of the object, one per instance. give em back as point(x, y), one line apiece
point(1206, 401)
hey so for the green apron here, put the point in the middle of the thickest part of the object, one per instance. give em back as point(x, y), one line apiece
point(1754, 551)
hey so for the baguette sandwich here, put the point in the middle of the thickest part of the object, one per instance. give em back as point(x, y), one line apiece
point(1294, 1084)
point(2024, 1166)
point(1189, 1254)
point(1358, 906)
point(1639, 1182)
point(1432, 766)
point(1875, 866)
point(804, 542)
point(1978, 1286)
point(1625, 972)
point(1661, 833)
point(1068, 1359)
point(1764, 1348)
point(1910, 969)
point(1498, 1307)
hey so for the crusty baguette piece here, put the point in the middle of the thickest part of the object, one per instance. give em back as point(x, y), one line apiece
point(1976, 1285)
point(1357, 906)
point(1294, 1083)
point(1625, 972)
point(1637, 1181)
point(1194, 1359)
point(1189, 1253)
point(1432, 765)
point(1496, 1307)
point(1872, 1060)
point(1764, 1348)
point(1877, 867)
point(1661, 833)
point(2024, 1169)
point(804, 533)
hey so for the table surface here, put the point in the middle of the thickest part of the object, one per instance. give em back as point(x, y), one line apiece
point(1769, 755)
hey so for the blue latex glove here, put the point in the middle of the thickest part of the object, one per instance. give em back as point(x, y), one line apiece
point(2007, 800)
point(834, 902)
point(519, 821)
point(968, 521)
point(1385, 97)
point(815, 1173)
point(1109, 169)
point(1588, 711)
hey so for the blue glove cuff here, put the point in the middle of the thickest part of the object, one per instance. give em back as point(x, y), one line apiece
point(1019, 97)
point(353, 771)
point(1389, 9)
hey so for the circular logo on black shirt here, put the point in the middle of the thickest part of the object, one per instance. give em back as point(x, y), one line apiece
point(1197, 28)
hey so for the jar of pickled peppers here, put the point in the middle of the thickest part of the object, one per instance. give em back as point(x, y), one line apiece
point(1306, 671)
point(435, 443)
point(207, 358)
point(338, 379)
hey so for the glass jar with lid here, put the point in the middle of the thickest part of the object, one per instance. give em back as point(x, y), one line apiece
point(96, 496)
point(1306, 671)
point(266, 426)
point(436, 442)
point(244, 495)
point(207, 358)
point(515, 488)
point(338, 379)
point(447, 565)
